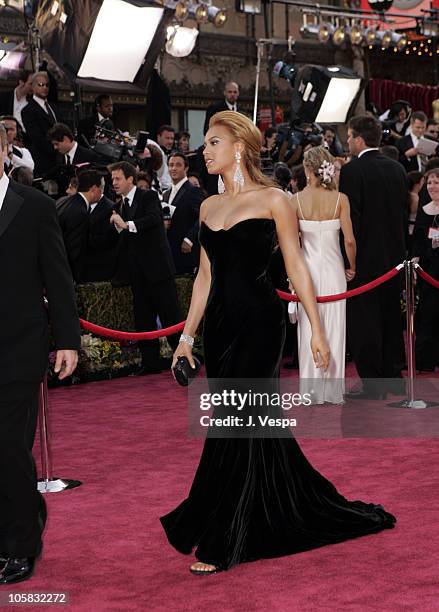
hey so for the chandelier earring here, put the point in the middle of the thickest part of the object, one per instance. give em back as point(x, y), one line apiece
point(221, 186)
point(238, 177)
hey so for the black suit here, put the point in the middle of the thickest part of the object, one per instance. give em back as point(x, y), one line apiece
point(64, 172)
point(100, 255)
point(377, 190)
point(87, 127)
point(148, 260)
point(7, 102)
point(185, 224)
point(217, 107)
point(37, 123)
point(33, 264)
point(404, 144)
point(74, 221)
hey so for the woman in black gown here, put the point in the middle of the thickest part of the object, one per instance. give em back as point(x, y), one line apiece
point(253, 498)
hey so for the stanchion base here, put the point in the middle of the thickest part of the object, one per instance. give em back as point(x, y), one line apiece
point(57, 485)
point(413, 404)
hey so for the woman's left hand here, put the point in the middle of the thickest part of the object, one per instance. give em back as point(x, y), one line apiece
point(320, 350)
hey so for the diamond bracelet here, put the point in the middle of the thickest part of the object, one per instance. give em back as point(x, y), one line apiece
point(188, 339)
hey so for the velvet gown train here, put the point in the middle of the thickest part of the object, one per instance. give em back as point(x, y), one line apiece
point(255, 498)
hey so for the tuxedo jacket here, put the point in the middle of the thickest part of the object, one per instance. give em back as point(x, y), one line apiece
point(148, 248)
point(74, 221)
point(216, 108)
point(34, 264)
point(37, 123)
point(404, 144)
point(7, 102)
point(63, 172)
point(185, 224)
point(101, 251)
point(377, 190)
point(86, 127)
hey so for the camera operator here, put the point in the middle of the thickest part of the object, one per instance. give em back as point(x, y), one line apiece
point(296, 140)
point(102, 114)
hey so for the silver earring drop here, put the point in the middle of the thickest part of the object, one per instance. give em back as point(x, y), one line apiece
point(238, 177)
point(221, 186)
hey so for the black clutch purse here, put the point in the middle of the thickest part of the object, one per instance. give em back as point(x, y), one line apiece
point(183, 372)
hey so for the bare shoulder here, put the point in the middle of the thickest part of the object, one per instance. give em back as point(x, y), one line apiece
point(344, 200)
point(279, 200)
point(210, 201)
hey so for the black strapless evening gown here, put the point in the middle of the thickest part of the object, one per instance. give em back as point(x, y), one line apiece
point(255, 498)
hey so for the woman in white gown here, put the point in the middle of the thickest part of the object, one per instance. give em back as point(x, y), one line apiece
point(322, 212)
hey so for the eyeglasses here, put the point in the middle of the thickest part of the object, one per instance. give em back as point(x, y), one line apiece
point(43, 84)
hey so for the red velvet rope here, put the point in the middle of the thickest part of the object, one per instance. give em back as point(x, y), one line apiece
point(121, 335)
point(347, 294)
point(168, 331)
point(428, 279)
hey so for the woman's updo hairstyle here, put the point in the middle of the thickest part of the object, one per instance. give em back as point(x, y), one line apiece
point(243, 129)
point(320, 162)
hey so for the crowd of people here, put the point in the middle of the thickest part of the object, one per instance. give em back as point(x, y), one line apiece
point(136, 222)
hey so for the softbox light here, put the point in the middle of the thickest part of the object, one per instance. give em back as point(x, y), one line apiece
point(104, 40)
point(325, 94)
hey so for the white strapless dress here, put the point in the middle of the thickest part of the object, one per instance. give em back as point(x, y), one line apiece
point(321, 251)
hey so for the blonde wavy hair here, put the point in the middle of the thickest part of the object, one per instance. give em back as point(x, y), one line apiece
point(314, 159)
point(243, 129)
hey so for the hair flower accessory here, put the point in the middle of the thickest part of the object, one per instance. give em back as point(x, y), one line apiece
point(327, 172)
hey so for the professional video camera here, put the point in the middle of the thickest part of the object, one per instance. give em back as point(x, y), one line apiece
point(113, 145)
point(293, 138)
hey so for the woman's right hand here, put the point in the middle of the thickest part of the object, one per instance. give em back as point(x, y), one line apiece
point(349, 274)
point(183, 350)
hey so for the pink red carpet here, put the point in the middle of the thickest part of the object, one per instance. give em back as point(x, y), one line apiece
point(127, 441)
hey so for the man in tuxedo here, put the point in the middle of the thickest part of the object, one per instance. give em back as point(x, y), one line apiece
point(410, 157)
point(18, 157)
point(230, 102)
point(102, 244)
point(146, 254)
point(377, 190)
point(184, 227)
point(13, 102)
point(69, 154)
point(166, 139)
point(102, 116)
point(74, 221)
point(34, 264)
point(38, 117)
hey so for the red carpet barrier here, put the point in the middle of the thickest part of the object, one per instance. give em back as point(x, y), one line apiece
point(322, 299)
point(168, 331)
point(121, 335)
point(428, 279)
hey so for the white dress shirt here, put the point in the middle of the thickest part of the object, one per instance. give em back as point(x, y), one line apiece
point(18, 107)
point(131, 225)
point(4, 184)
point(175, 189)
point(71, 153)
point(232, 107)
